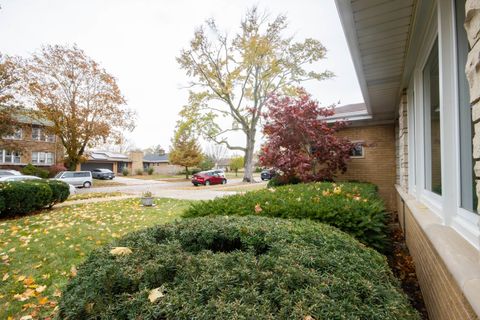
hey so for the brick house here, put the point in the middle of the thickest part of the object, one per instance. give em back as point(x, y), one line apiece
point(31, 143)
point(418, 66)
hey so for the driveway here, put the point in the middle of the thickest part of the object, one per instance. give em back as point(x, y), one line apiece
point(163, 189)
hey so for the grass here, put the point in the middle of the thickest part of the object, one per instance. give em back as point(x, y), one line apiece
point(38, 253)
point(106, 183)
point(92, 195)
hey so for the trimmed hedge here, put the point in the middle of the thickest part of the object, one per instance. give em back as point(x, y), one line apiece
point(235, 268)
point(352, 207)
point(22, 197)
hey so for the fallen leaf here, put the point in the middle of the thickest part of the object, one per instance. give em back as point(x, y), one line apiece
point(43, 300)
point(73, 271)
point(40, 289)
point(120, 251)
point(155, 294)
point(5, 277)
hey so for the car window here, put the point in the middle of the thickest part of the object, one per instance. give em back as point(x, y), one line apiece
point(67, 175)
point(81, 174)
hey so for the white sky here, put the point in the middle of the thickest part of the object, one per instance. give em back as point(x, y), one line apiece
point(137, 41)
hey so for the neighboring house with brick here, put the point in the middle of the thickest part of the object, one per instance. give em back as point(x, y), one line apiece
point(418, 66)
point(133, 161)
point(30, 143)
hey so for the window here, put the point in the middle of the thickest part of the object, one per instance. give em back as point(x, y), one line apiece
point(42, 158)
point(433, 161)
point(357, 151)
point(9, 156)
point(468, 195)
point(17, 135)
point(38, 134)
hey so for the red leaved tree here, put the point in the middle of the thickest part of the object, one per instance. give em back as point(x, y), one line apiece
point(299, 140)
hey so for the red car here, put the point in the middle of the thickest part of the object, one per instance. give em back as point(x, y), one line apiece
point(207, 178)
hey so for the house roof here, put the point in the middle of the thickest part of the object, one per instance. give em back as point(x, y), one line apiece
point(155, 158)
point(378, 34)
point(107, 156)
point(25, 116)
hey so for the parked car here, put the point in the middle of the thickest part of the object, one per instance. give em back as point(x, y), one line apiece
point(76, 178)
point(267, 174)
point(18, 178)
point(4, 173)
point(103, 174)
point(219, 172)
point(207, 178)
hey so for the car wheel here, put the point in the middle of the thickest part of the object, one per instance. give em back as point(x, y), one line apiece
point(224, 181)
point(87, 184)
point(207, 183)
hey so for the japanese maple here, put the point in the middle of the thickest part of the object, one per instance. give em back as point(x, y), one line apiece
point(300, 142)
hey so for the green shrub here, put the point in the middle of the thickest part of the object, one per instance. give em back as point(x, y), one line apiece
point(22, 197)
point(139, 172)
point(355, 209)
point(125, 172)
point(150, 170)
point(31, 170)
point(236, 268)
point(278, 181)
point(60, 191)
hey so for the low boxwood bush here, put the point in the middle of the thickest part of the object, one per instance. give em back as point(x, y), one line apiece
point(352, 207)
point(31, 170)
point(235, 268)
point(22, 197)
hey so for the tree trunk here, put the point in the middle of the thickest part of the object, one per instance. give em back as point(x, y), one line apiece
point(72, 164)
point(248, 174)
point(186, 173)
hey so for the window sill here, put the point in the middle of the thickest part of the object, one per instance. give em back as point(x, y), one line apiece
point(460, 257)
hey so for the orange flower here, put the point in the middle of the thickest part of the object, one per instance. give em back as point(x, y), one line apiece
point(258, 209)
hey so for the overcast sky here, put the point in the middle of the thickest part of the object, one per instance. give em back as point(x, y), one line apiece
point(137, 41)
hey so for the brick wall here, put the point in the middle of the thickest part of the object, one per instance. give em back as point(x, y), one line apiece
point(378, 165)
point(443, 297)
point(402, 144)
point(27, 145)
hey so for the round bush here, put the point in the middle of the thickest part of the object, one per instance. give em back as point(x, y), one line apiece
point(236, 268)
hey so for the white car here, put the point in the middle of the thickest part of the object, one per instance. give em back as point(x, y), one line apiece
point(76, 178)
point(6, 173)
point(18, 178)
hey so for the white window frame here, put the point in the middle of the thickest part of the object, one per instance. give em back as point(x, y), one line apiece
point(411, 137)
point(15, 154)
point(42, 155)
point(447, 206)
point(18, 131)
point(363, 149)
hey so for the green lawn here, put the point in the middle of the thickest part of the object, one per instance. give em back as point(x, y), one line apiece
point(91, 195)
point(39, 253)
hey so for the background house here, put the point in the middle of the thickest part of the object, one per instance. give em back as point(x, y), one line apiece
point(31, 143)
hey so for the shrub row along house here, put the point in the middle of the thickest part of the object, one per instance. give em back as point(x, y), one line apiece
point(417, 62)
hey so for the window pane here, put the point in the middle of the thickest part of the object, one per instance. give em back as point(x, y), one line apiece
point(35, 133)
point(16, 157)
point(8, 157)
point(34, 157)
point(433, 162)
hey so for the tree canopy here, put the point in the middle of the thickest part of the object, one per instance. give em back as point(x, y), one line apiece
point(8, 106)
point(232, 77)
point(299, 140)
point(186, 151)
point(80, 98)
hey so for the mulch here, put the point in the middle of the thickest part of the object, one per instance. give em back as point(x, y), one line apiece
point(402, 265)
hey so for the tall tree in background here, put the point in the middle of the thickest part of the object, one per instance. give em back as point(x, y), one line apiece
point(300, 142)
point(80, 98)
point(233, 77)
point(186, 151)
point(155, 150)
point(8, 107)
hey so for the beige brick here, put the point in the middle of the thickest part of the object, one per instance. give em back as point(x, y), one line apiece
point(476, 142)
point(476, 112)
point(472, 21)
point(472, 70)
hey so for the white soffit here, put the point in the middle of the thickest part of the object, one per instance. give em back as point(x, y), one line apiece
point(377, 33)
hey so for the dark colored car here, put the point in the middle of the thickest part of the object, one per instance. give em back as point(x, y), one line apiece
point(207, 178)
point(267, 174)
point(103, 174)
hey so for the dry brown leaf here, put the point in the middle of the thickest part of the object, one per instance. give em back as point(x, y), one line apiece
point(120, 251)
point(73, 271)
point(155, 294)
